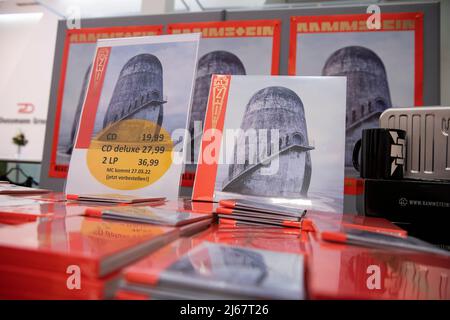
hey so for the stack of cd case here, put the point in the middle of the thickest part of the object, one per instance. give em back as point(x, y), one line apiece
point(249, 212)
point(187, 222)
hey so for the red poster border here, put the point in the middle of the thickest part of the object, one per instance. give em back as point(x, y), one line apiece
point(353, 186)
point(53, 173)
point(93, 94)
point(275, 68)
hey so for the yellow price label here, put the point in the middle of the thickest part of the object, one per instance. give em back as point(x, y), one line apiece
point(130, 154)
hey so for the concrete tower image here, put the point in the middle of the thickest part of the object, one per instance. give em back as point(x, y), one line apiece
point(367, 90)
point(281, 109)
point(76, 118)
point(233, 265)
point(214, 62)
point(138, 93)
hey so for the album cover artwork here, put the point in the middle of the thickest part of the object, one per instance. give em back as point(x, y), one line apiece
point(274, 138)
point(383, 66)
point(144, 276)
point(226, 47)
point(79, 50)
point(133, 123)
point(238, 271)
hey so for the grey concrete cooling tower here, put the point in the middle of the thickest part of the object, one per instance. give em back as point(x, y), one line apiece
point(138, 93)
point(281, 109)
point(214, 62)
point(367, 90)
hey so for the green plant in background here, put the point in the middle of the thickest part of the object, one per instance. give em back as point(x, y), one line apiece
point(20, 140)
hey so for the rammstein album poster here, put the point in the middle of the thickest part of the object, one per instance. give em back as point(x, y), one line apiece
point(274, 138)
point(383, 66)
point(133, 123)
point(226, 47)
point(79, 49)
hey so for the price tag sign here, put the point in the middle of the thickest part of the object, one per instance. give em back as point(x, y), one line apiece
point(130, 154)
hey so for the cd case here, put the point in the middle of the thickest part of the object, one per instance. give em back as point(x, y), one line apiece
point(237, 272)
point(147, 214)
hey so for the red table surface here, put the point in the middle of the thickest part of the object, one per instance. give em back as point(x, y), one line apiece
point(337, 271)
